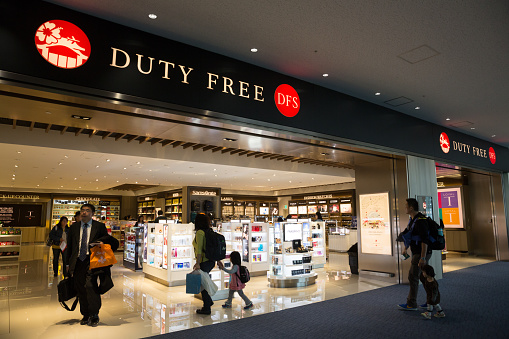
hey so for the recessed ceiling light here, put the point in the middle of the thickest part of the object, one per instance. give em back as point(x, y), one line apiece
point(378, 93)
point(19, 152)
point(325, 75)
point(37, 185)
point(80, 117)
point(136, 182)
point(61, 186)
point(125, 167)
point(96, 179)
point(493, 136)
point(290, 181)
point(59, 163)
point(268, 179)
point(79, 187)
point(448, 119)
point(152, 16)
point(15, 165)
point(75, 178)
point(472, 127)
point(14, 175)
point(138, 163)
point(229, 139)
point(107, 160)
point(117, 181)
point(97, 166)
point(254, 50)
point(48, 112)
point(417, 107)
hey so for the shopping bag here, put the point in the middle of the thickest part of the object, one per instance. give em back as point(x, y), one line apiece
point(207, 283)
point(66, 291)
point(193, 283)
point(101, 256)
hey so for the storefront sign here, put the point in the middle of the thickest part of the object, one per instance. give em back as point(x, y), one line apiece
point(62, 44)
point(18, 196)
point(450, 146)
point(88, 199)
point(206, 193)
point(325, 196)
point(226, 198)
point(174, 195)
point(375, 225)
point(287, 100)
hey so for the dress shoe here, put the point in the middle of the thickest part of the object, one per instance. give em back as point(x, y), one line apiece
point(84, 320)
point(203, 311)
point(93, 321)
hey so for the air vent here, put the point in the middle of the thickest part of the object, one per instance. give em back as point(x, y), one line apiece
point(398, 101)
point(462, 124)
point(418, 54)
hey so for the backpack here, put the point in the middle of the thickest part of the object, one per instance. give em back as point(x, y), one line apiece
point(215, 245)
point(436, 234)
point(243, 274)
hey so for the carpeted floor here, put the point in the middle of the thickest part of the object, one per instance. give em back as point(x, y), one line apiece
point(474, 301)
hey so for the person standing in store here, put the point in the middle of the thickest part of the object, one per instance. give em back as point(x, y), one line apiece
point(82, 236)
point(58, 235)
point(319, 216)
point(77, 216)
point(418, 228)
point(201, 225)
point(159, 216)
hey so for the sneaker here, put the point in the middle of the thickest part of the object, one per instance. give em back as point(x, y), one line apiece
point(203, 311)
point(407, 308)
point(427, 315)
point(226, 306)
point(247, 307)
point(423, 305)
point(440, 315)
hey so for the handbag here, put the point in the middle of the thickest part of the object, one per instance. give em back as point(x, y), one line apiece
point(101, 256)
point(193, 283)
point(66, 291)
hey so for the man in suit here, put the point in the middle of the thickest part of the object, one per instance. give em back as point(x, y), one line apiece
point(81, 237)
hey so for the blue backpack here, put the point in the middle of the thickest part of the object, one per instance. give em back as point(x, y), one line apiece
point(435, 234)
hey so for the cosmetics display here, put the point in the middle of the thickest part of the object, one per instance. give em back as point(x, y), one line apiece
point(133, 247)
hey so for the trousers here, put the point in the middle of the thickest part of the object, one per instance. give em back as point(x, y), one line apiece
point(89, 297)
point(207, 266)
point(231, 293)
point(414, 276)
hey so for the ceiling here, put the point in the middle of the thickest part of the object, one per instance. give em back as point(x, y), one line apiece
point(449, 58)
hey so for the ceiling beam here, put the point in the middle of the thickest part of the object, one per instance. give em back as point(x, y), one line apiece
point(167, 142)
point(92, 133)
point(177, 143)
point(78, 132)
point(143, 140)
point(235, 151)
point(227, 150)
point(208, 147)
point(267, 155)
point(32, 124)
point(47, 128)
point(217, 149)
point(188, 144)
point(13, 123)
point(63, 130)
point(198, 146)
point(259, 154)
point(251, 153)
point(131, 138)
point(243, 153)
point(107, 135)
point(119, 137)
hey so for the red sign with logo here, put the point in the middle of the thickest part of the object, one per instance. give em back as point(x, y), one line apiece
point(62, 44)
point(287, 100)
point(444, 143)
point(493, 156)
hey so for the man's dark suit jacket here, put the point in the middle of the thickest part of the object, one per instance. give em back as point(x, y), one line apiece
point(98, 233)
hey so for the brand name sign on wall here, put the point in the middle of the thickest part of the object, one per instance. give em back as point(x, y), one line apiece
point(448, 145)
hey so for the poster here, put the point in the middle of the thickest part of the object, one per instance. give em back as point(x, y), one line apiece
point(375, 224)
point(20, 215)
point(450, 207)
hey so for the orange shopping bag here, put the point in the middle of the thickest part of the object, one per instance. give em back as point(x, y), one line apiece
point(101, 256)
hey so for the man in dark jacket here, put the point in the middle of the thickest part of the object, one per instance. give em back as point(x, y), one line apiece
point(82, 236)
point(419, 231)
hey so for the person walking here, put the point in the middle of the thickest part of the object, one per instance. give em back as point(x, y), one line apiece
point(235, 285)
point(432, 293)
point(58, 235)
point(201, 225)
point(417, 232)
point(82, 236)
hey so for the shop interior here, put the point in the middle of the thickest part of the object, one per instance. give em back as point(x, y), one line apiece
point(61, 151)
point(466, 205)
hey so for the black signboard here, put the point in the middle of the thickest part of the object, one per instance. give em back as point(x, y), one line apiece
point(20, 214)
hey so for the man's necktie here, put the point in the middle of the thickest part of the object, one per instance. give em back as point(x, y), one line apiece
point(84, 243)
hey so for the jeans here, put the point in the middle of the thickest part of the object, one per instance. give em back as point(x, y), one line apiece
point(207, 266)
point(414, 275)
point(241, 294)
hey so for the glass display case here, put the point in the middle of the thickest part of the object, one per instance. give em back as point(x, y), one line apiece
point(169, 252)
point(133, 245)
point(291, 254)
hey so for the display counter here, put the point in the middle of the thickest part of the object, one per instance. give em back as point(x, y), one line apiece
point(342, 240)
point(295, 248)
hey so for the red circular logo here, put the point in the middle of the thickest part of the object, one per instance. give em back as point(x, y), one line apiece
point(62, 44)
point(493, 157)
point(444, 143)
point(287, 100)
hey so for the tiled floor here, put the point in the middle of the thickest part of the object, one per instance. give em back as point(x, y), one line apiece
point(138, 307)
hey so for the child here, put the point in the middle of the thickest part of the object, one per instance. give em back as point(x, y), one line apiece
point(432, 293)
point(235, 283)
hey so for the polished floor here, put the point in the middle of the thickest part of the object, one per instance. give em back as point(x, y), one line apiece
point(139, 307)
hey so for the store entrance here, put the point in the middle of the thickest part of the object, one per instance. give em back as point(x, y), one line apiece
point(468, 207)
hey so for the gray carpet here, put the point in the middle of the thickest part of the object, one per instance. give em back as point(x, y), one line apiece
point(474, 301)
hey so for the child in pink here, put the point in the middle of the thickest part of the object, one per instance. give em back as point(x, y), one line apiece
point(235, 284)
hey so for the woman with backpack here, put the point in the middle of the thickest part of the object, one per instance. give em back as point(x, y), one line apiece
point(235, 284)
point(202, 225)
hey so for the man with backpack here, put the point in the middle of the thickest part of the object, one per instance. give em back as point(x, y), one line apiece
point(416, 237)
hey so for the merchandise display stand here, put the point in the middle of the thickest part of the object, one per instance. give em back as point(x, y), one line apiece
point(169, 253)
point(10, 248)
point(291, 265)
point(318, 243)
point(133, 243)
